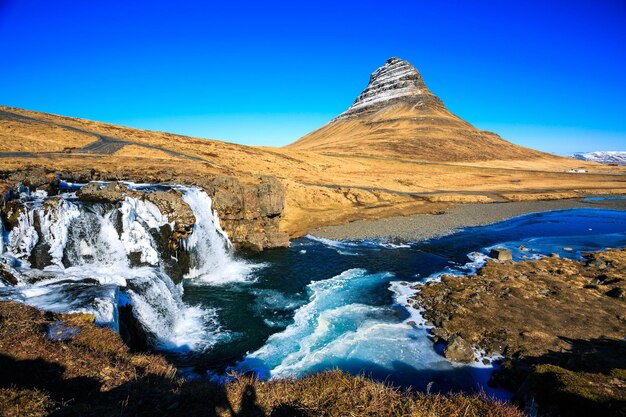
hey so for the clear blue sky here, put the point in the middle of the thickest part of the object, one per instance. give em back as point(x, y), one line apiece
point(545, 74)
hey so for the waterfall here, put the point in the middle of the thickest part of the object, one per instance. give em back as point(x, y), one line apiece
point(209, 248)
point(99, 257)
point(1, 236)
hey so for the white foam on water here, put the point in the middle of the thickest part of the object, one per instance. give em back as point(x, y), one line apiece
point(335, 329)
point(345, 248)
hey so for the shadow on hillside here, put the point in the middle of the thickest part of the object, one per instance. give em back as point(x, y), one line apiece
point(148, 396)
point(45, 376)
point(588, 379)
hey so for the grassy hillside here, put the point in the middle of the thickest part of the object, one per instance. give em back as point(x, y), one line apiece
point(322, 187)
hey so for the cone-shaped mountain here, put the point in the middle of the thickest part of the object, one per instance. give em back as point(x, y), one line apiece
point(397, 116)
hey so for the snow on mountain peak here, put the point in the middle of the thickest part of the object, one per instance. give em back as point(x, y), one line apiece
point(397, 80)
point(603, 157)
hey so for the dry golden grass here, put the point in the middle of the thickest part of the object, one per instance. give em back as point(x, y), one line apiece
point(335, 394)
point(424, 133)
point(134, 151)
point(94, 374)
point(323, 188)
point(16, 136)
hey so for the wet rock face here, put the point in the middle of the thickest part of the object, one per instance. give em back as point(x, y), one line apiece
point(11, 212)
point(171, 204)
point(8, 276)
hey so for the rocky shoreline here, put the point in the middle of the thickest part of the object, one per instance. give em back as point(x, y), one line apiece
point(427, 226)
point(558, 323)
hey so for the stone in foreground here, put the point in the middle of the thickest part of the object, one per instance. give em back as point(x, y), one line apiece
point(459, 350)
point(501, 254)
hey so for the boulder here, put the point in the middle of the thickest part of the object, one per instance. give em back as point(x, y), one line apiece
point(501, 254)
point(459, 350)
point(598, 263)
point(11, 212)
point(616, 292)
point(171, 204)
point(8, 275)
point(113, 192)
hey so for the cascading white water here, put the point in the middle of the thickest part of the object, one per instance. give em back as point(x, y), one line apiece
point(209, 248)
point(54, 227)
point(90, 270)
point(1, 237)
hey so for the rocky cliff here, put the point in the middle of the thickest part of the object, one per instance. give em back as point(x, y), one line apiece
point(249, 212)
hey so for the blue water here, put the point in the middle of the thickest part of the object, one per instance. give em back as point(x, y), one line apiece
point(325, 304)
point(604, 198)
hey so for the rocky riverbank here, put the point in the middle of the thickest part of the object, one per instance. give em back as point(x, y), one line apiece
point(560, 325)
point(427, 226)
point(63, 365)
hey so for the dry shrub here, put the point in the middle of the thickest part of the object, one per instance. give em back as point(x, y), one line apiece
point(94, 374)
point(334, 393)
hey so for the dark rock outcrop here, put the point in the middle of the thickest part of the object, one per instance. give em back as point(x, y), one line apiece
point(171, 204)
point(250, 213)
point(8, 275)
point(501, 254)
point(113, 192)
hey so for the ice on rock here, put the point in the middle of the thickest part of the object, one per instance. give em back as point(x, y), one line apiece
point(89, 245)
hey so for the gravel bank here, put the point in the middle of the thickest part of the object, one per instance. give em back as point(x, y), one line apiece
point(427, 226)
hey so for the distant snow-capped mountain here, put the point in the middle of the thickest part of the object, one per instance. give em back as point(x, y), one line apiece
point(603, 157)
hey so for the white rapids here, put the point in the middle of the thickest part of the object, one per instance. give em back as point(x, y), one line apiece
point(86, 264)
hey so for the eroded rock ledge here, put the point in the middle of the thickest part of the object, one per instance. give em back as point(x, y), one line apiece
point(559, 323)
point(249, 212)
